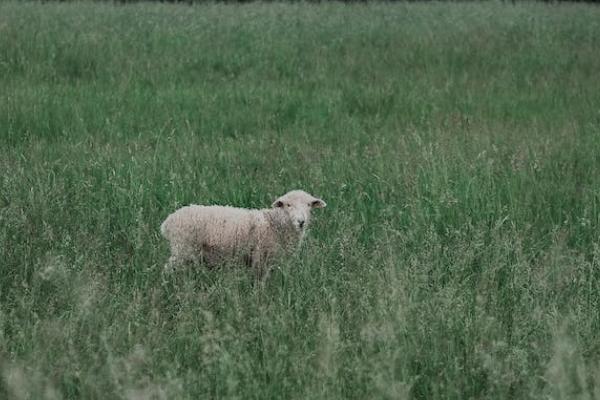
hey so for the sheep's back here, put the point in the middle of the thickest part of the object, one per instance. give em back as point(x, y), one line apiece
point(212, 226)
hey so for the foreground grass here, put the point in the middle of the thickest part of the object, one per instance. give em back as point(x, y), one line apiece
point(456, 146)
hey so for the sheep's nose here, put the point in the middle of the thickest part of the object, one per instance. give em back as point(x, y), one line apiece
point(301, 224)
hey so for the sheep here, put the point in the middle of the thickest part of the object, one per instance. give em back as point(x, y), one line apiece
point(215, 235)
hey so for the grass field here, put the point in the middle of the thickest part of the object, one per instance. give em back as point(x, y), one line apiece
point(457, 147)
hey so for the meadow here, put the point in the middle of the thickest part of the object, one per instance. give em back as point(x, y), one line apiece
point(456, 144)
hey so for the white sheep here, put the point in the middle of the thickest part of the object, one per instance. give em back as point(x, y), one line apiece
point(215, 235)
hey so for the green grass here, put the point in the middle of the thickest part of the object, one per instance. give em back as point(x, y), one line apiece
point(457, 147)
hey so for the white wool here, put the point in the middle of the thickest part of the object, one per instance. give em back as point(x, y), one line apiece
point(216, 235)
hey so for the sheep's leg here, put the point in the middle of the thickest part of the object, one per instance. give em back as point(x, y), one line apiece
point(260, 265)
point(262, 274)
point(255, 264)
point(180, 255)
point(171, 264)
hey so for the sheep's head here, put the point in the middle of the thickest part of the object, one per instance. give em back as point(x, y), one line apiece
point(298, 205)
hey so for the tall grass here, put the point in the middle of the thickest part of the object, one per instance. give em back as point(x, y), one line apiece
point(457, 147)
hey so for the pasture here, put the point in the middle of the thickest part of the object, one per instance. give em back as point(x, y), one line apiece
point(456, 145)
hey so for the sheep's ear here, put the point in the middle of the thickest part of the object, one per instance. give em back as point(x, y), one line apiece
point(277, 204)
point(318, 203)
